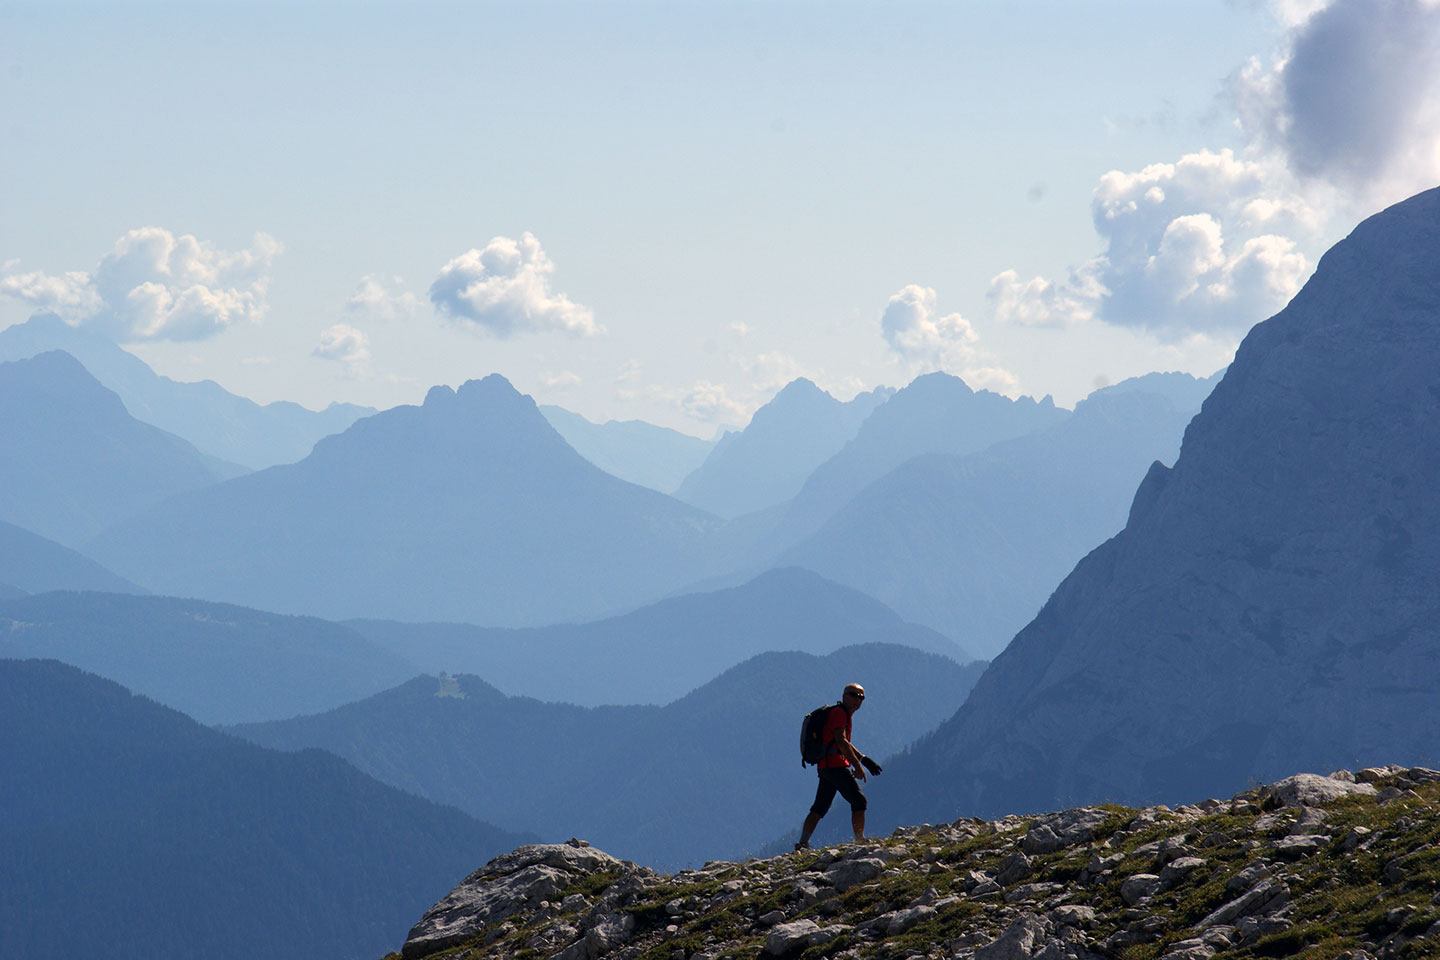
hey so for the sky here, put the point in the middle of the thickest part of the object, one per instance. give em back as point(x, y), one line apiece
point(668, 210)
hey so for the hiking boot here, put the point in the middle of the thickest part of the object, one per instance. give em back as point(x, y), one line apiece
point(802, 845)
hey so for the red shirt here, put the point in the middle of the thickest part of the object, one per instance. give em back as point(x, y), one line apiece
point(839, 719)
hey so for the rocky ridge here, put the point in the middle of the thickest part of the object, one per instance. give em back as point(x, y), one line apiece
point(1343, 867)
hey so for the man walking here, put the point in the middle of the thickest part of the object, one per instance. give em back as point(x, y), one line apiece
point(838, 768)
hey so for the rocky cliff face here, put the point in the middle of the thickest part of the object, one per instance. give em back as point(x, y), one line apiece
point(1336, 867)
point(1271, 602)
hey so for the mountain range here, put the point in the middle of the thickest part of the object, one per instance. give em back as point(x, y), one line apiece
point(767, 463)
point(1269, 604)
point(714, 772)
point(130, 831)
point(972, 545)
point(223, 425)
point(633, 450)
point(661, 651)
point(76, 461)
point(32, 564)
point(215, 662)
point(469, 508)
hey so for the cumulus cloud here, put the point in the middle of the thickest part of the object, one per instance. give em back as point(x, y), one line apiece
point(156, 286)
point(926, 341)
point(373, 300)
point(1353, 102)
point(504, 289)
point(710, 403)
point(559, 381)
point(345, 345)
point(1344, 121)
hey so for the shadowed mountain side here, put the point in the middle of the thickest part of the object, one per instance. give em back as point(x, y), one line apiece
point(767, 463)
point(75, 461)
point(215, 662)
point(1271, 602)
point(128, 830)
point(218, 422)
point(633, 450)
point(972, 546)
point(36, 565)
point(936, 413)
point(469, 508)
point(8, 592)
point(659, 652)
point(714, 773)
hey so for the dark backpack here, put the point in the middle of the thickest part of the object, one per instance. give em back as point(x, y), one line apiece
point(812, 729)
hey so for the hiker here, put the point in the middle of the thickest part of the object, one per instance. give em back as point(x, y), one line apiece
point(839, 766)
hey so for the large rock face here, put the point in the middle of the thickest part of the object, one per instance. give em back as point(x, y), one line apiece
point(1271, 602)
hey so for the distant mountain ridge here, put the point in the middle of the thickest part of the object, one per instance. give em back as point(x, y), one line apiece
point(129, 831)
point(37, 565)
point(662, 651)
point(75, 460)
point(214, 420)
point(468, 508)
point(215, 662)
point(768, 462)
point(972, 545)
point(715, 772)
point(1270, 603)
point(633, 450)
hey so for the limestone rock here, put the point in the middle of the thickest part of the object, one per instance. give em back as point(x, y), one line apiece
point(1310, 790)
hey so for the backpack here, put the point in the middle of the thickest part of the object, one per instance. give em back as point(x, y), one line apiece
point(812, 728)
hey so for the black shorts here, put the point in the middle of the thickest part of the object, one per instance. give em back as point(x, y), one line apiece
point(837, 780)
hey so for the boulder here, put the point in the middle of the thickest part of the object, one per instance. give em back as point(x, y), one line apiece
point(790, 938)
point(508, 884)
point(1311, 790)
point(1064, 829)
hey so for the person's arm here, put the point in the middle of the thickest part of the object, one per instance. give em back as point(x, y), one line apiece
point(848, 751)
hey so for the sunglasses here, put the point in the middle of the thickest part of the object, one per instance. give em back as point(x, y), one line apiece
point(857, 696)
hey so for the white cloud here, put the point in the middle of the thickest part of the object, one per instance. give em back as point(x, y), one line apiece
point(504, 289)
point(564, 378)
point(156, 286)
point(345, 345)
point(373, 300)
point(768, 372)
point(1353, 102)
point(925, 342)
point(710, 403)
point(1201, 245)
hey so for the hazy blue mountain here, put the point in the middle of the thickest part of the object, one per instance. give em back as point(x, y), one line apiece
point(712, 774)
point(128, 830)
point(75, 460)
point(34, 565)
point(1182, 390)
point(766, 463)
point(9, 592)
point(936, 413)
point(221, 424)
point(469, 508)
point(659, 652)
point(217, 663)
point(973, 545)
point(651, 456)
point(1270, 604)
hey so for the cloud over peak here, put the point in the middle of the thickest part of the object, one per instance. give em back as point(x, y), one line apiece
point(504, 289)
point(154, 285)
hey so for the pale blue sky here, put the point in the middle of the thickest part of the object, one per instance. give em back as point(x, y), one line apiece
point(729, 194)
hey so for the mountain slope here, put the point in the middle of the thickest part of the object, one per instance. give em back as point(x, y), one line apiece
point(714, 772)
point(632, 450)
point(1270, 602)
point(973, 545)
point(36, 565)
point(75, 461)
point(470, 508)
point(130, 831)
point(767, 463)
point(662, 651)
point(935, 413)
point(215, 662)
point(223, 425)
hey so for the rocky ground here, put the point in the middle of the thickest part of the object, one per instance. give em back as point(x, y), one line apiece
point(1344, 867)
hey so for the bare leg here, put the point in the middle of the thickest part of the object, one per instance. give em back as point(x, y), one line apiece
point(857, 823)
